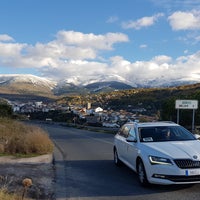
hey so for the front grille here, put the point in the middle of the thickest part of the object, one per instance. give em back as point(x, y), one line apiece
point(183, 178)
point(187, 163)
point(178, 179)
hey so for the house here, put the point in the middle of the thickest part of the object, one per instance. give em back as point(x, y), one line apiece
point(99, 109)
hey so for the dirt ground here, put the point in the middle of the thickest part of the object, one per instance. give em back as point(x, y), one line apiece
point(40, 170)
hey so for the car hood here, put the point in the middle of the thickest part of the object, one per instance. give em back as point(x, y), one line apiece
point(175, 149)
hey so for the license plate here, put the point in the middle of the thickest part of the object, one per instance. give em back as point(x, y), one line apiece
point(192, 172)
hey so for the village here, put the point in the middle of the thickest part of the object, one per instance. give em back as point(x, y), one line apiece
point(82, 114)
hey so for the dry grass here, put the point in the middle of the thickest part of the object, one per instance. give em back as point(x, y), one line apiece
point(19, 138)
point(5, 195)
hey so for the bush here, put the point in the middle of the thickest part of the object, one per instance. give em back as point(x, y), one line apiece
point(5, 195)
point(19, 138)
point(43, 146)
point(5, 110)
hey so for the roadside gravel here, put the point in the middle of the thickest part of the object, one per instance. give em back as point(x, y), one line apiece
point(39, 169)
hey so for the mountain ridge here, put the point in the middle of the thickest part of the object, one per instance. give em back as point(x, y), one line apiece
point(30, 84)
point(26, 84)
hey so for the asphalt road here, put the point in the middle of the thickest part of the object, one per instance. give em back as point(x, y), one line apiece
point(85, 170)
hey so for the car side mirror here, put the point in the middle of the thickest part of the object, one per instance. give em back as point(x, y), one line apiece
point(131, 139)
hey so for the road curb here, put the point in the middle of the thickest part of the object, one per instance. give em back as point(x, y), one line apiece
point(60, 182)
point(42, 159)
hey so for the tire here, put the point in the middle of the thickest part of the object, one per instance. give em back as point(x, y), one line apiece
point(142, 174)
point(117, 161)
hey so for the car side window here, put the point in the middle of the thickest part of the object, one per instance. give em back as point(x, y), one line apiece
point(127, 130)
point(121, 131)
point(124, 131)
point(132, 132)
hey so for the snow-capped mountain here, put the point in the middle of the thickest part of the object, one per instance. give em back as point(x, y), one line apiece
point(83, 81)
point(30, 84)
point(161, 81)
point(107, 86)
point(26, 78)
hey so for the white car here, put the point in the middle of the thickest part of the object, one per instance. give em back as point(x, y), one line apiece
point(110, 125)
point(159, 152)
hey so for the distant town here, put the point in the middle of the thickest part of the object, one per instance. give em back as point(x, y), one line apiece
point(84, 114)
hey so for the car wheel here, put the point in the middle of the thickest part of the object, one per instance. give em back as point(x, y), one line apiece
point(142, 173)
point(117, 161)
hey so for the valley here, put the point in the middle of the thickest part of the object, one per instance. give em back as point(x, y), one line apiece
point(111, 96)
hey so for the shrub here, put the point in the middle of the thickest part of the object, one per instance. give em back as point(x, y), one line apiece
point(19, 138)
point(5, 110)
point(43, 146)
point(5, 195)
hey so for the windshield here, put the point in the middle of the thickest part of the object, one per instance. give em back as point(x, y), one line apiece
point(164, 133)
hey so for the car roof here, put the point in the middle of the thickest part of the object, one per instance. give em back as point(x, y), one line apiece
point(152, 124)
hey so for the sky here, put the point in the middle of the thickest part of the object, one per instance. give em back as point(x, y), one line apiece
point(136, 40)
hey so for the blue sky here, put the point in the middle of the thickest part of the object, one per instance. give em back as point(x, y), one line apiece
point(138, 40)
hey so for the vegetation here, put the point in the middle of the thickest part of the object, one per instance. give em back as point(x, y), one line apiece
point(5, 109)
point(153, 100)
point(5, 195)
point(56, 116)
point(27, 89)
point(17, 138)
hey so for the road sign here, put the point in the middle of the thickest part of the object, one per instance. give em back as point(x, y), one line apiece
point(186, 104)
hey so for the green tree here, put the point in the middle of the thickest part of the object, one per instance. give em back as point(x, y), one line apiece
point(5, 110)
point(168, 110)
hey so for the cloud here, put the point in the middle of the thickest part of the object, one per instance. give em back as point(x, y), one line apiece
point(141, 71)
point(5, 37)
point(143, 46)
point(185, 20)
point(197, 38)
point(161, 69)
point(177, 4)
point(57, 55)
point(112, 19)
point(142, 22)
point(76, 68)
point(162, 59)
point(101, 42)
point(73, 54)
point(11, 50)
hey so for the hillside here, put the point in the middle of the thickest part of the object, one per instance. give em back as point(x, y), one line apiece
point(109, 95)
point(107, 86)
point(29, 85)
point(135, 96)
point(148, 101)
point(25, 85)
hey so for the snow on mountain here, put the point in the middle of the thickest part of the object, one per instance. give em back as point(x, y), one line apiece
point(75, 80)
point(26, 78)
point(78, 83)
point(83, 81)
point(107, 78)
point(107, 86)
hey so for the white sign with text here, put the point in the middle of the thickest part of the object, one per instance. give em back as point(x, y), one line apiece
point(186, 104)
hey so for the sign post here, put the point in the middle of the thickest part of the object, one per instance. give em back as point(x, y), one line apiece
point(187, 104)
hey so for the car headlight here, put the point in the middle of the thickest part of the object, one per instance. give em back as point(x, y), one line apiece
point(154, 160)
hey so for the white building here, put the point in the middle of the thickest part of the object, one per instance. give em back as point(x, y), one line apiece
point(98, 109)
